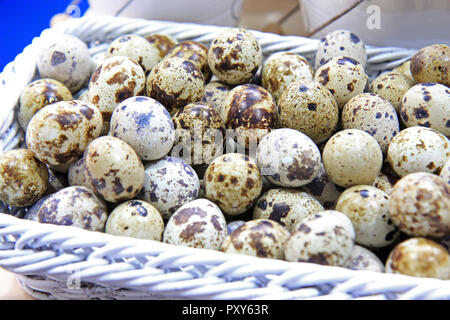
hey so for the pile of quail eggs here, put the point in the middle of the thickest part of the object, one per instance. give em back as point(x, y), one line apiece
point(346, 171)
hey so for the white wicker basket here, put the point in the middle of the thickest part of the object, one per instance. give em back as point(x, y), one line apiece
point(60, 262)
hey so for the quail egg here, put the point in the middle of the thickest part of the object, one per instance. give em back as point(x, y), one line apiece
point(163, 42)
point(77, 175)
point(364, 259)
point(215, 94)
point(385, 181)
point(404, 69)
point(432, 64)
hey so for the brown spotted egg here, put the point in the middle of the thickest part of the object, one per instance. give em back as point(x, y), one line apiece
point(420, 205)
point(368, 209)
point(136, 48)
point(215, 94)
point(309, 107)
point(288, 158)
point(115, 79)
point(199, 129)
point(404, 69)
point(419, 257)
point(233, 181)
point(286, 206)
point(113, 168)
point(261, 238)
point(432, 64)
point(352, 157)
point(175, 82)
point(372, 114)
point(427, 105)
point(162, 42)
point(283, 68)
point(76, 174)
point(325, 238)
point(417, 149)
point(445, 172)
point(385, 181)
point(23, 178)
point(136, 219)
point(234, 56)
point(60, 132)
point(169, 183)
point(65, 58)
point(198, 224)
point(344, 77)
point(364, 259)
point(145, 125)
point(37, 95)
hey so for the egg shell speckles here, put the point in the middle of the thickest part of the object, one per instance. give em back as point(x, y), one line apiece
point(309, 107)
point(417, 149)
point(325, 238)
point(169, 183)
point(420, 205)
point(283, 68)
point(260, 238)
point(74, 206)
point(115, 79)
point(385, 181)
point(113, 168)
point(233, 181)
point(59, 133)
point(419, 257)
point(234, 56)
point(65, 58)
point(145, 125)
point(288, 158)
point(215, 94)
point(432, 64)
point(340, 43)
point(372, 114)
point(445, 172)
point(136, 48)
point(23, 178)
point(368, 209)
point(136, 219)
point(37, 95)
point(352, 157)
point(344, 77)
point(77, 175)
point(286, 206)
point(391, 86)
point(364, 259)
point(427, 105)
point(162, 42)
point(198, 224)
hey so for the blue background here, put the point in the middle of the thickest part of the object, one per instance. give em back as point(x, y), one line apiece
point(22, 20)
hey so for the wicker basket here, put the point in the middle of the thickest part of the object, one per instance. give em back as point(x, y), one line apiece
point(61, 262)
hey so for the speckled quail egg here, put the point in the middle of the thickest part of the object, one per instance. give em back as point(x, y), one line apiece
point(385, 181)
point(37, 95)
point(215, 94)
point(23, 178)
point(145, 125)
point(340, 43)
point(445, 172)
point(419, 257)
point(233, 225)
point(199, 132)
point(368, 209)
point(372, 114)
point(344, 77)
point(420, 205)
point(115, 79)
point(198, 224)
point(364, 259)
point(175, 82)
point(352, 157)
point(233, 182)
point(309, 107)
point(65, 58)
point(136, 48)
point(325, 238)
point(31, 213)
point(260, 238)
point(432, 64)
point(76, 174)
point(59, 133)
point(286, 206)
point(404, 69)
point(427, 105)
point(113, 168)
point(251, 111)
point(195, 52)
point(163, 42)
point(136, 219)
point(74, 206)
point(417, 149)
point(283, 68)
point(391, 86)
point(234, 56)
point(169, 183)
